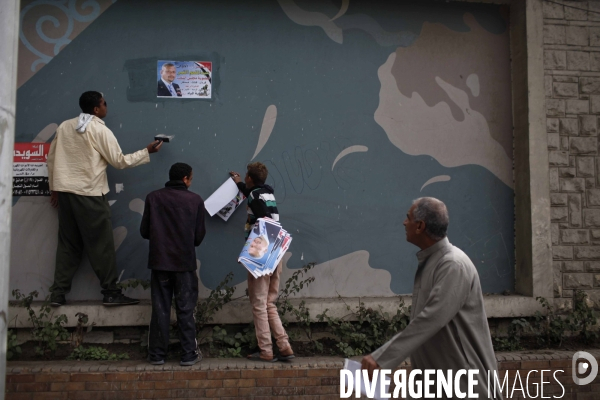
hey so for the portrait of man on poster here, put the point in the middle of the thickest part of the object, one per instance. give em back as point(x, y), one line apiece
point(166, 85)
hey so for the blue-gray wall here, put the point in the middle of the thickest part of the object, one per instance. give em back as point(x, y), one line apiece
point(331, 85)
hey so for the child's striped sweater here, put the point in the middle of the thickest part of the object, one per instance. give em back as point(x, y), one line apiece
point(261, 203)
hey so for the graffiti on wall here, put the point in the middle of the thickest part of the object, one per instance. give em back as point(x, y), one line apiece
point(356, 109)
point(46, 26)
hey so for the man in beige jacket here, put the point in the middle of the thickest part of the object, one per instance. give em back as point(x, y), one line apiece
point(79, 154)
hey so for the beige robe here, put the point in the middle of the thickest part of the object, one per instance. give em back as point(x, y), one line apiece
point(448, 328)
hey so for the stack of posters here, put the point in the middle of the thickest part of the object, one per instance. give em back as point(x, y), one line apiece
point(265, 247)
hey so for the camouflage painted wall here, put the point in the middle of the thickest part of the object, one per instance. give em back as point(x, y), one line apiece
point(356, 108)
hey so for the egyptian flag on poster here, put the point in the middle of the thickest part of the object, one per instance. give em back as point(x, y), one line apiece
point(206, 68)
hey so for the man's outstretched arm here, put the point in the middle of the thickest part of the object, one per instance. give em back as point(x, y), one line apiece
point(107, 145)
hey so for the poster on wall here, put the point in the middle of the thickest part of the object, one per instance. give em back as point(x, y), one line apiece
point(184, 79)
point(30, 169)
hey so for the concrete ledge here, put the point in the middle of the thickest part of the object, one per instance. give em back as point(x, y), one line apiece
point(25, 367)
point(240, 312)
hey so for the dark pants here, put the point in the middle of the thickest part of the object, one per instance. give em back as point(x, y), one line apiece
point(84, 225)
point(185, 287)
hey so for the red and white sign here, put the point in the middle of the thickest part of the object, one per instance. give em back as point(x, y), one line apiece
point(31, 152)
point(30, 169)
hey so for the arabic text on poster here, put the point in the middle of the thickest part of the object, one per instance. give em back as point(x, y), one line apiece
point(30, 169)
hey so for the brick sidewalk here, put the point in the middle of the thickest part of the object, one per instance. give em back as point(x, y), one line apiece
point(315, 378)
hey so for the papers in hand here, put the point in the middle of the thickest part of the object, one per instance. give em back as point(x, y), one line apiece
point(164, 138)
point(358, 381)
point(225, 200)
point(265, 247)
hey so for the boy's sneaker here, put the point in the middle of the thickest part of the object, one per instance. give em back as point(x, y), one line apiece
point(155, 362)
point(191, 362)
point(58, 300)
point(118, 299)
point(286, 354)
point(257, 357)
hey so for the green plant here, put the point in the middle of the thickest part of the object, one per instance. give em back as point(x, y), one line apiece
point(359, 332)
point(583, 318)
point(81, 329)
point(512, 341)
point(218, 297)
point(232, 344)
point(12, 347)
point(301, 314)
point(47, 329)
point(81, 353)
point(368, 328)
point(551, 327)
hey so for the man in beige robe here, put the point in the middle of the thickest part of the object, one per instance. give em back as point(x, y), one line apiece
point(79, 154)
point(448, 328)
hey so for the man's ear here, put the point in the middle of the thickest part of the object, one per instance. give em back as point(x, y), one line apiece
point(420, 227)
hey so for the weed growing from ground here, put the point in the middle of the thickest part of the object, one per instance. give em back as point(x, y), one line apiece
point(47, 329)
point(13, 350)
point(94, 353)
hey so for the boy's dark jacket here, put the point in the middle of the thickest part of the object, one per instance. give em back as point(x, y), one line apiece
point(173, 221)
point(259, 208)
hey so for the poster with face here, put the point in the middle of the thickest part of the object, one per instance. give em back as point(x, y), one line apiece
point(265, 247)
point(184, 79)
point(260, 242)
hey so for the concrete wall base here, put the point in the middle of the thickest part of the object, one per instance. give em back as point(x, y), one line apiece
point(239, 311)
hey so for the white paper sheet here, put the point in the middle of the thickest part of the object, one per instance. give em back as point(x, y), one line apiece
point(230, 207)
point(221, 197)
point(354, 366)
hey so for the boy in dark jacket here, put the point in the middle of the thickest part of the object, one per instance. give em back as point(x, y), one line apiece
point(263, 291)
point(173, 221)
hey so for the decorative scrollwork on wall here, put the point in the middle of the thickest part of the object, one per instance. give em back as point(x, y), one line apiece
point(72, 12)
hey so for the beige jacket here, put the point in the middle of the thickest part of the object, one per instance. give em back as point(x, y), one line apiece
point(77, 161)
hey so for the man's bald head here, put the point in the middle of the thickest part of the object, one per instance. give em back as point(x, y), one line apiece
point(434, 214)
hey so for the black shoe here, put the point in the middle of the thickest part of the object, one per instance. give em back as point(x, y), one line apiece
point(155, 362)
point(58, 300)
point(191, 362)
point(285, 358)
point(118, 299)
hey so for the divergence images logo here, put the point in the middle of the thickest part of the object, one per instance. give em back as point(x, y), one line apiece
point(583, 367)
